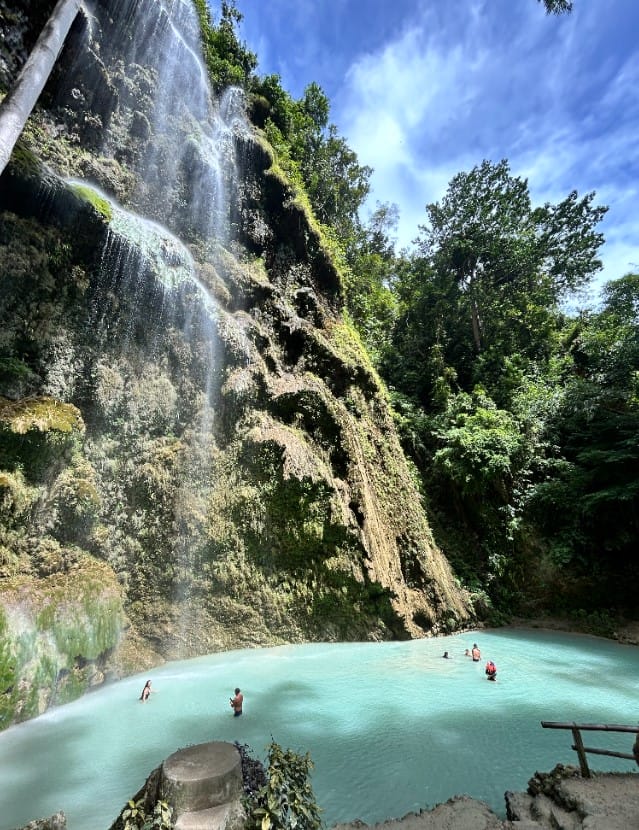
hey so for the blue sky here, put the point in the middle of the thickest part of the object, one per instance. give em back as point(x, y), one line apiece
point(423, 89)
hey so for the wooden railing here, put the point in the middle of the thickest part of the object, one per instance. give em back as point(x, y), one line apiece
point(581, 750)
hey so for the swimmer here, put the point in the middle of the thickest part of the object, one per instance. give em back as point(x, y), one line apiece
point(491, 670)
point(146, 692)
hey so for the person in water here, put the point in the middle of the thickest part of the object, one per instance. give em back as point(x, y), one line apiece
point(146, 692)
point(491, 670)
point(467, 653)
point(476, 653)
point(445, 655)
point(236, 703)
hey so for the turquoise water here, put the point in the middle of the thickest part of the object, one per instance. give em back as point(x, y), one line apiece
point(391, 727)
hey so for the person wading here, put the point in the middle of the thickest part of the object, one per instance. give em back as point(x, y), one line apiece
point(236, 703)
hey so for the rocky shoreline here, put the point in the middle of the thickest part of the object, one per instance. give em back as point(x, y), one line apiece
point(558, 800)
point(626, 631)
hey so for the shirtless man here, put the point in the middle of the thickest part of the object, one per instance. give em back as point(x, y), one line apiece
point(476, 653)
point(236, 703)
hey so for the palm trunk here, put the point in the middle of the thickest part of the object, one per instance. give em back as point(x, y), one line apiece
point(17, 106)
point(476, 322)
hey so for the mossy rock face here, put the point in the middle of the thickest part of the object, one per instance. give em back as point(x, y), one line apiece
point(56, 634)
point(40, 415)
point(34, 433)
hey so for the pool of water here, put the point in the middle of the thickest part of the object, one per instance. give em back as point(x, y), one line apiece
point(391, 727)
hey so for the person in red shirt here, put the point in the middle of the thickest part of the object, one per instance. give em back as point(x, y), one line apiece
point(491, 670)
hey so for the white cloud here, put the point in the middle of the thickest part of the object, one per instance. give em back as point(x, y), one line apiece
point(423, 89)
point(449, 92)
point(396, 110)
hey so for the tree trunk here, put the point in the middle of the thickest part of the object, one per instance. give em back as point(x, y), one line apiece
point(17, 106)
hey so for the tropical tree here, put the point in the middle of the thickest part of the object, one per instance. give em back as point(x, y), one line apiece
point(498, 269)
point(477, 360)
point(371, 302)
point(18, 104)
point(228, 60)
point(588, 505)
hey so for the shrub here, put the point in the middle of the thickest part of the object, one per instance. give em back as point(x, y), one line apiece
point(134, 816)
point(286, 801)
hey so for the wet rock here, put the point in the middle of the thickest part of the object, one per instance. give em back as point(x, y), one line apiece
point(55, 822)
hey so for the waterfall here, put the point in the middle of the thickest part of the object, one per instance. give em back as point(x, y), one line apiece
point(153, 321)
point(167, 126)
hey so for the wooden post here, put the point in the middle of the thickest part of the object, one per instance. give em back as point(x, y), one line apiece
point(579, 746)
point(18, 104)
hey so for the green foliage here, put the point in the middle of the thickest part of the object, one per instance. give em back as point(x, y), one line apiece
point(479, 445)
point(557, 6)
point(371, 302)
point(601, 622)
point(134, 816)
point(478, 359)
point(286, 801)
point(13, 369)
point(587, 506)
point(229, 62)
point(491, 271)
point(299, 130)
point(477, 460)
point(337, 184)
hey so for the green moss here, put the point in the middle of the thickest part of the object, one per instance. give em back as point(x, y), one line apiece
point(268, 150)
point(347, 341)
point(72, 685)
point(49, 654)
point(75, 502)
point(39, 415)
point(12, 369)
point(89, 194)
point(24, 161)
point(35, 433)
point(16, 497)
point(88, 625)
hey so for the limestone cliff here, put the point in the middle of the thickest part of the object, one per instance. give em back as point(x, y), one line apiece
point(187, 417)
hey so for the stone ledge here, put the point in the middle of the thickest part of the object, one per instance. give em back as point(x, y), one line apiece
point(202, 776)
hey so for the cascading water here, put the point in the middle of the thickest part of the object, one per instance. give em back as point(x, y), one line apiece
point(149, 301)
point(186, 173)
